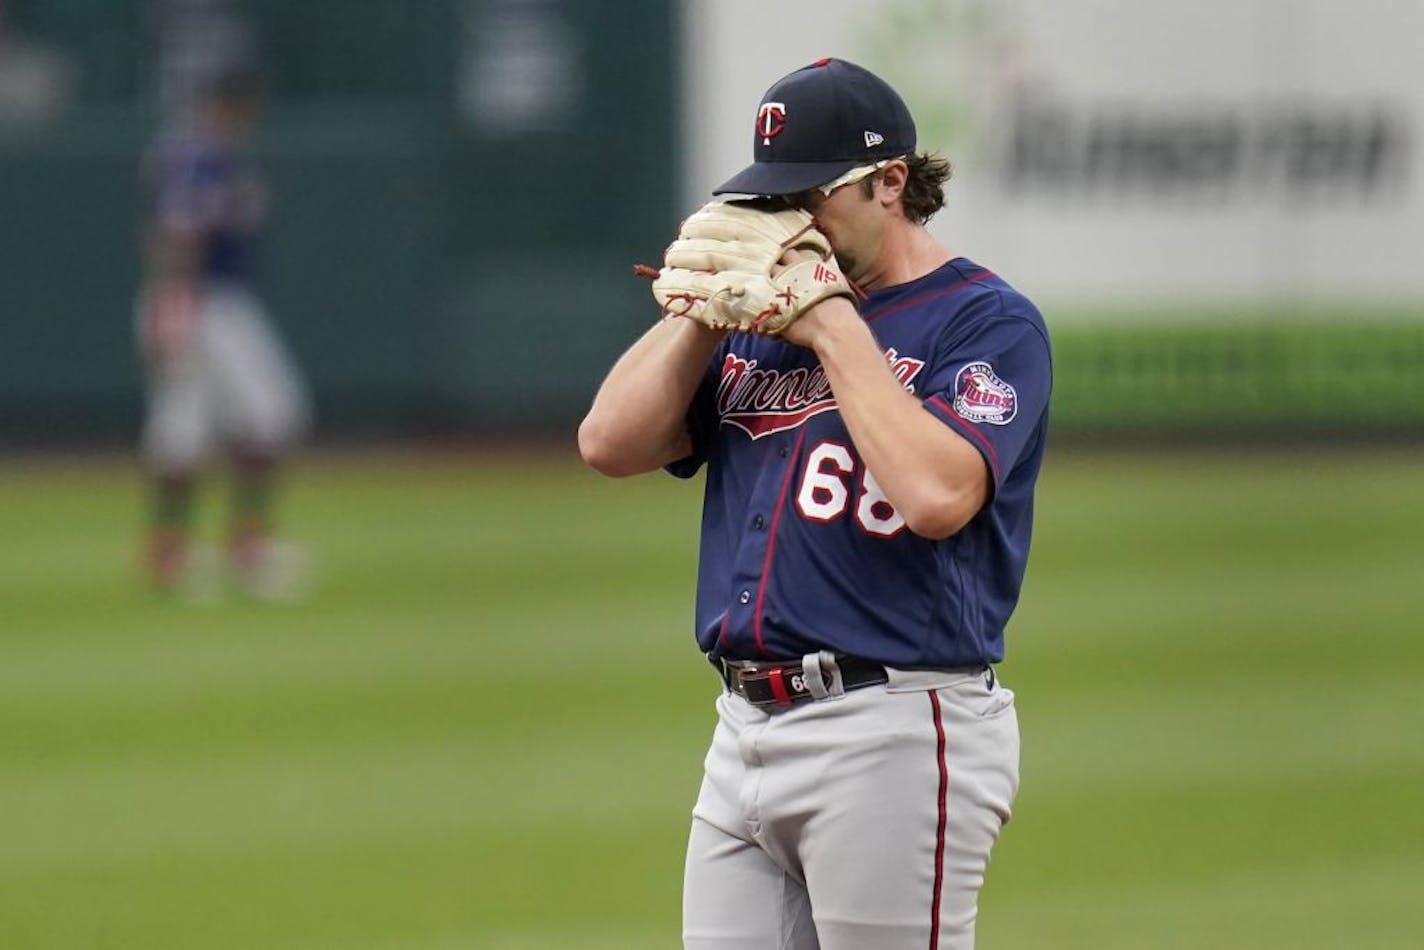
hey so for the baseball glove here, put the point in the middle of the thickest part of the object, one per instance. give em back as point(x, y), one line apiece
point(719, 270)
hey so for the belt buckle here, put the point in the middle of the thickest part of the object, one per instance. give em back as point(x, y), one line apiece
point(732, 676)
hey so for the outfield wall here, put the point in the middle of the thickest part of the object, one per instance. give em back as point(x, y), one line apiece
point(1219, 205)
point(1145, 150)
point(459, 190)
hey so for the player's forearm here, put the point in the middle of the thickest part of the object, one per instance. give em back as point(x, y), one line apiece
point(933, 478)
point(637, 422)
point(171, 301)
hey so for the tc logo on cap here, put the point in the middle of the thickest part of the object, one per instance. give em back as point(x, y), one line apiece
point(771, 119)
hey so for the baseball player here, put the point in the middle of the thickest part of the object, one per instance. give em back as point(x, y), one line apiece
point(870, 408)
point(217, 376)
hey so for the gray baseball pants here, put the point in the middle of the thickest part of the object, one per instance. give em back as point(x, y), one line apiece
point(862, 821)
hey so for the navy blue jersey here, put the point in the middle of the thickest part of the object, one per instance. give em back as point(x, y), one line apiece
point(214, 192)
point(800, 549)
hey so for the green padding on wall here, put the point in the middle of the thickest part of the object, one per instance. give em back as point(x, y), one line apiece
point(1352, 372)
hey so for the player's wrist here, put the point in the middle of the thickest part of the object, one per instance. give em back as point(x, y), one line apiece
point(690, 328)
point(829, 322)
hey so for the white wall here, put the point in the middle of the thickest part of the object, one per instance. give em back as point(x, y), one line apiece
point(1216, 148)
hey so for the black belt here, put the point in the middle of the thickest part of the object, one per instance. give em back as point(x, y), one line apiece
point(783, 682)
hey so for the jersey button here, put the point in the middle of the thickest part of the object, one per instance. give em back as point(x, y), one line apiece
point(745, 597)
point(758, 522)
point(785, 451)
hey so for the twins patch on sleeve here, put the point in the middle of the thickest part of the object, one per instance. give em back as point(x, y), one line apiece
point(981, 396)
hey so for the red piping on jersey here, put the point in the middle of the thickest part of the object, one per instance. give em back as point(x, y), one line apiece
point(771, 538)
point(929, 296)
point(979, 436)
point(943, 818)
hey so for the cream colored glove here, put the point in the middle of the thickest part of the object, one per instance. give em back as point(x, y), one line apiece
point(719, 270)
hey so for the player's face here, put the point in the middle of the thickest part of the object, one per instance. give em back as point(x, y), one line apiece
point(852, 220)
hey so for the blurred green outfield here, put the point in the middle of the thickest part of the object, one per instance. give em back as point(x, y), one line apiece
point(484, 727)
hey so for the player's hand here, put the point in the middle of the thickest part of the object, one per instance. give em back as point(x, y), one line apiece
point(820, 316)
point(169, 313)
point(728, 269)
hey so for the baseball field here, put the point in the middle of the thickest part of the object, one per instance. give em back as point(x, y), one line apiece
point(483, 725)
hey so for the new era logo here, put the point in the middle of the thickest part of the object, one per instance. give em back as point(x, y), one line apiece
point(873, 139)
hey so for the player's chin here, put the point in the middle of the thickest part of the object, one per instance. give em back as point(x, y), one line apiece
point(847, 262)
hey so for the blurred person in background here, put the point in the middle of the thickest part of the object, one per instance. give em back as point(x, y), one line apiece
point(218, 377)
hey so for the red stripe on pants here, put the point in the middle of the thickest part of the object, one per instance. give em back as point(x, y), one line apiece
point(943, 819)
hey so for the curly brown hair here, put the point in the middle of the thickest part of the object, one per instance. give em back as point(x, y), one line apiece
point(923, 195)
point(924, 185)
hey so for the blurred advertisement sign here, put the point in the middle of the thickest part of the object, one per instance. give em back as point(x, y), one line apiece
point(1288, 152)
point(37, 82)
point(520, 66)
point(1131, 149)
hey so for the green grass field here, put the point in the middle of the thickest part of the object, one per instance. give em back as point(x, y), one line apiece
point(484, 726)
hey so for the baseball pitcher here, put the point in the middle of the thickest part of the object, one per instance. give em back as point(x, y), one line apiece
point(870, 408)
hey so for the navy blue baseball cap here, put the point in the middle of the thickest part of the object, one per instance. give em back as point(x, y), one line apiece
point(818, 123)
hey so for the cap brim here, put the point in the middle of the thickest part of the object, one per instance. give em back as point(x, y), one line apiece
point(783, 178)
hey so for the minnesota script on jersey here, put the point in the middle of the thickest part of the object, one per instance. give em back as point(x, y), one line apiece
point(801, 551)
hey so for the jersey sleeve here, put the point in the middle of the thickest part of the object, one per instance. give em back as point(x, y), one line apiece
point(992, 388)
point(701, 420)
